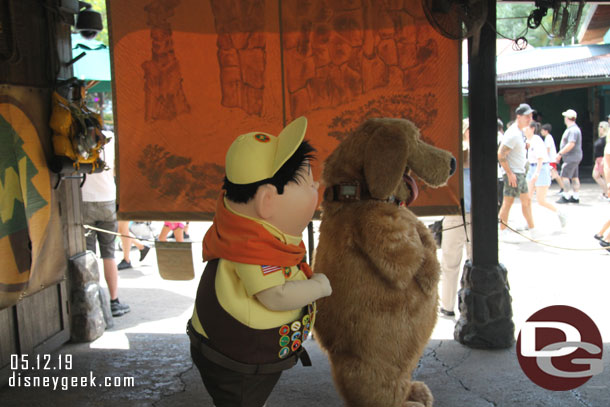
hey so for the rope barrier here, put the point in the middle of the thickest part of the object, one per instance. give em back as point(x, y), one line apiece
point(534, 240)
point(455, 227)
point(550, 245)
point(89, 227)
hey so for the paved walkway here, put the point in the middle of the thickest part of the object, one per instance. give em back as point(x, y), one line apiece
point(149, 344)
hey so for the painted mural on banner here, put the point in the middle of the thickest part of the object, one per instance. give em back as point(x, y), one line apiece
point(190, 76)
point(31, 243)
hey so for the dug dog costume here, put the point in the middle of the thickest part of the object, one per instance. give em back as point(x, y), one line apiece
point(381, 262)
point(255, 303)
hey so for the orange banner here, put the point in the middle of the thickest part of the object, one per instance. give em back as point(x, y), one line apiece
point(190, 75)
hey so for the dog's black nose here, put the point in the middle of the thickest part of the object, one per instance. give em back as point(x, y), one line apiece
point(453, 164)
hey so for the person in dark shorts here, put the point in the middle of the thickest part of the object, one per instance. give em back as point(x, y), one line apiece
point(99, 210)
point(570, 152)
point(512, 158)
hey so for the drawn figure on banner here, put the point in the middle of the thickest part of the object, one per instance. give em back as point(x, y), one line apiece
point(241, 53)
point(332, 53)
point(165, 98)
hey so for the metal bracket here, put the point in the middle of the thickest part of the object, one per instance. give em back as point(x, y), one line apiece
point(62, 177)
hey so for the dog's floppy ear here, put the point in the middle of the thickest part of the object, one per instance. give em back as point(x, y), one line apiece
point(385, 159)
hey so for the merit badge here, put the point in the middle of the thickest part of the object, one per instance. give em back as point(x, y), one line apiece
point(296, 336)
point(296, 325)
point(284, 352)
point(284, 341)
point(263, 138)
point(284, 330)
point(311, 309)
point(295, 345)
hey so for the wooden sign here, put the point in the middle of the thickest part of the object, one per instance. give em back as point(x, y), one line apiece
point(31, 237)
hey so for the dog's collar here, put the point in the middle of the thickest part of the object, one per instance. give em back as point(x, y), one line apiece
point(353, 191)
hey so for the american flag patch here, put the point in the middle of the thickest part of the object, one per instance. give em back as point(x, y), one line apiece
point(270, 269)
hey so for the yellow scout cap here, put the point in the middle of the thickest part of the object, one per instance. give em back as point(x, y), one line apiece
point(257, 156)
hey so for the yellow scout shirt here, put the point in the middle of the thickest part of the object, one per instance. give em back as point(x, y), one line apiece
point(237, 283)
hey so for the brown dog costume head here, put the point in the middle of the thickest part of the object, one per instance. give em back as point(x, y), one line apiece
point(375, 162)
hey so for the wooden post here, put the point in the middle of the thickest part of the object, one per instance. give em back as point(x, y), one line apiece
point(484, 301)
point(483, 108)
point(84, 292)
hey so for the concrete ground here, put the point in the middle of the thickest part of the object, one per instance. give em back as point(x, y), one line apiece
point(150, 346)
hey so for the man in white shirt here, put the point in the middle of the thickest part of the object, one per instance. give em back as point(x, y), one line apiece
point(512, 158)
point(99, 210)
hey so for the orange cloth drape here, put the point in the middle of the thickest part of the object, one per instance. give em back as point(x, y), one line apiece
point(190, 75)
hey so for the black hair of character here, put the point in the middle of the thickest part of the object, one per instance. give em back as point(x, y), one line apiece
point(291, 171)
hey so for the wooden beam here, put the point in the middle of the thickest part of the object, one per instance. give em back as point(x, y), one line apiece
point(485, 303)
point(483, 110)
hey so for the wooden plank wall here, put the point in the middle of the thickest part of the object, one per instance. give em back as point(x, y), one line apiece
point(8, 335)
point(34, 56)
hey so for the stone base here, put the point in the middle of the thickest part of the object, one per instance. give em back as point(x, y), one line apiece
point(485, 308)
point(87, 316)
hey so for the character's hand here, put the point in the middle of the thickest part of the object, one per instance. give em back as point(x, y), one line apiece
point(321, 279)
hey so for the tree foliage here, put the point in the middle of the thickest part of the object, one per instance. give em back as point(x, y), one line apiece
point(511, 22)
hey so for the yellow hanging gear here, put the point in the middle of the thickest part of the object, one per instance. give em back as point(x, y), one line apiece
point(77, 131)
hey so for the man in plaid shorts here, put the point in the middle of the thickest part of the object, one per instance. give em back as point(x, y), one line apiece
point(512, 158)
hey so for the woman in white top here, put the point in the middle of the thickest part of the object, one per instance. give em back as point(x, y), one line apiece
point(551, 149)
point(539, 174)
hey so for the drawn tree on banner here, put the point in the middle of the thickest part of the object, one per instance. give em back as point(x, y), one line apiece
point(165, 97)
point(18, 197)
point(241, 53)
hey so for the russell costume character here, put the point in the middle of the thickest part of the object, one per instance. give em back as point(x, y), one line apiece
point(255, 305)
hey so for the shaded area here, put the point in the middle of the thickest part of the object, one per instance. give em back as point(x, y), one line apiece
point(164, 376)
point(155, 361)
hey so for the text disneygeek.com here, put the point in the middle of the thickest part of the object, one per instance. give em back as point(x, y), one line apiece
point(22, 366)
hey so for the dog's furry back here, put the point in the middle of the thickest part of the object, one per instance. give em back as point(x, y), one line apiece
point(381, 262)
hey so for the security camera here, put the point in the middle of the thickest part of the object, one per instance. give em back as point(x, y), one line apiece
point(88, 22)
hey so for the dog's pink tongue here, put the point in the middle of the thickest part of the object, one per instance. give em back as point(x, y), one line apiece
point(412, 187)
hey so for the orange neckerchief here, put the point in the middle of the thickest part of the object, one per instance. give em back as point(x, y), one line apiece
point(242, 240)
